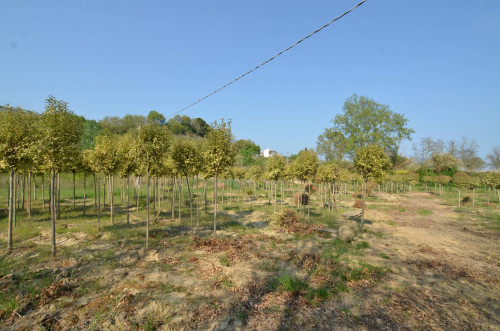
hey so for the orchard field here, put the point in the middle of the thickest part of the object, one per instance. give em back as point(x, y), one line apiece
point(420, 262)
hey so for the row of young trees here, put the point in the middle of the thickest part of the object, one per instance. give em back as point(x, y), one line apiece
point(36, 144)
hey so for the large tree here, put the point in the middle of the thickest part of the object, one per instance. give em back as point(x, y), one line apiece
point(219, 154)
point(494, 158)
point(363, 122)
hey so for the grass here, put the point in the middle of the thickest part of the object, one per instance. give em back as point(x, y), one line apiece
point(384, 256)
point(424, 212)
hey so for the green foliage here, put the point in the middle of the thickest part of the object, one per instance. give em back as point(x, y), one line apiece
point(117, 125)
point(91, 129)
point(127, 154)
point(153, 142)
point(424, 212)
point(219, 153)
point(103, 159)
point(184, 125)
point(18, 139)
point(445, 164)
point(186, 157)
point(363, 122)
point(461, 180)
point(156, 117)
point(494, 158)
point(372, 162)
point(328, 172)
point(62, 133)
point(275, 167)
point(306, 165)
point(443, 179)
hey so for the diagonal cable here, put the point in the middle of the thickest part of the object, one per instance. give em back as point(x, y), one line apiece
point(267, 61)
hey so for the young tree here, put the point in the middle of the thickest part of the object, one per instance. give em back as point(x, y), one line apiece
point(364, 122)
point(62, 134)
point(275, 171)
point(187, 161)
point(372, 162)
point(127, 157)
point(328, 173)
point(461, 180)
point(305, 167)
point(255, 174)
point(153, 142)
point(219, 154)
point(17, 145)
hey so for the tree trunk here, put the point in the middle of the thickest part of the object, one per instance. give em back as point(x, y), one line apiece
point(58, 195)
point(43, 191)
point(128, 186)
point(147, 218)
point(111, 196)
point(190, 203)
point(84, 191)
point(173, 198)
point(458, 197)
point(74, 190)
point(309, 204)
point(53, 210)
point(215, 205)
point(180, 199)
point(29, 194)
point(11, 209)
point(95, 192)
point(16, 183)
point(363, 206)
point(98, 200)
point(473, 198)
point(197, 202)
point(205, 195)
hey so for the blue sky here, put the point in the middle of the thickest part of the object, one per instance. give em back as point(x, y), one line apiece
point(437, 62)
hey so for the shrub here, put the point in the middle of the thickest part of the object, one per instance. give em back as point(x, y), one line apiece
point(285, 218)
point(358, 204)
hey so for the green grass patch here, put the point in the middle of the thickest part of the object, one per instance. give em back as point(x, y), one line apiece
point(424, 212)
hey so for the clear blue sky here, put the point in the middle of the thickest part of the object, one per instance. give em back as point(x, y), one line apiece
point(437, 62)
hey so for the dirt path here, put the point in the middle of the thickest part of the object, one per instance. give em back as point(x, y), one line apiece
point(446, 269)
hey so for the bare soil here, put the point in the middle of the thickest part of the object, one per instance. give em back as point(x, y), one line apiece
point(441, 272)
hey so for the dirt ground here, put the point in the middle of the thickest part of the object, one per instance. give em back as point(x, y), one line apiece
point(419, 265)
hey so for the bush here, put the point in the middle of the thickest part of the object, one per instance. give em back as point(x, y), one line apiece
point(358, 204)
point(285, 218)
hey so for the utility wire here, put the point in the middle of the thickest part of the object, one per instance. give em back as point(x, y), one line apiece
point(269, 60)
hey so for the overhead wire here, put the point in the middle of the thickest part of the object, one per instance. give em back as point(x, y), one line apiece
point(269, 60)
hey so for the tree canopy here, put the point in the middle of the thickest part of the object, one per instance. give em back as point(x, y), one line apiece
point(363, 122)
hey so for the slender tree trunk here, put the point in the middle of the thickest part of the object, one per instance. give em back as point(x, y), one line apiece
point(11, 210)
point(53, 210)
point(180, 199)
point(473, 198)
point(173, 198)
point(309, 204)
point(84, 192)
point(197, 201)
point(128, 187)
point(111, 196)
point(275, 196)
point(74, 190)
point(58, 195)
point(29, 194)
point(98, 200)
point(34, 187)
point(205, 195)
point(190, 203)
point(215, 205)
point(95, 192)
point(363, 206)
point(14, 210)
point(147, 219)
point(23, 188)
point(458, 197)
point(43, 191)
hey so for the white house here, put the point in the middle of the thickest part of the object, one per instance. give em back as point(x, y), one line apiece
point(267, 152)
